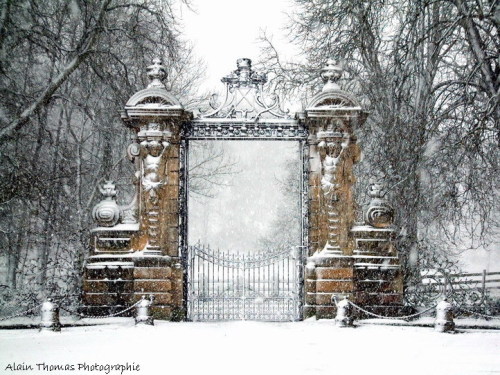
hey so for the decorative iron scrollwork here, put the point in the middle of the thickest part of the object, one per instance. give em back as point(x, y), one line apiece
point(245, 97)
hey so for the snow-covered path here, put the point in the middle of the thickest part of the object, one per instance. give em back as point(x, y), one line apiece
point(310, 347)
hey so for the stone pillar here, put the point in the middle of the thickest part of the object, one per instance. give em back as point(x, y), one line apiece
point(140, 241)
point(378, 275)
point(331, 118)
point(335, 266)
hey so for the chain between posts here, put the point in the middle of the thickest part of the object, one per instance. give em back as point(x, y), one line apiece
point(392, 317)
point(479, 314)
point(419, 313)
point(83, 316)
point(23, 313)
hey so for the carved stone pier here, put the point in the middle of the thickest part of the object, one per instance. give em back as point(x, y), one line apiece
point(135, 249)
point(357, 260)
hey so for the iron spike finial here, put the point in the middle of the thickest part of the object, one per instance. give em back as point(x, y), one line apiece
point(331, 73)
point(156, 73)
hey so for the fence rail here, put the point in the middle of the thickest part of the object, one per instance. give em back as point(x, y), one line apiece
point(483, 280)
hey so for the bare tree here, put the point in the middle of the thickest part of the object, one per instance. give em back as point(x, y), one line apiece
point(66, 69)
point(428, 72)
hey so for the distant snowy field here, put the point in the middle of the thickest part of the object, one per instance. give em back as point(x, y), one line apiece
point(310, 347)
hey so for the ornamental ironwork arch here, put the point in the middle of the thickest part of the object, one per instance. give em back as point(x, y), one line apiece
point(245, 112)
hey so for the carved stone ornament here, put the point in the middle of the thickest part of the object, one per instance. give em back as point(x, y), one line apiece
point(107, 213)
point(330, 74)
point(333, 141)
point(380, 213)
point(156, 74)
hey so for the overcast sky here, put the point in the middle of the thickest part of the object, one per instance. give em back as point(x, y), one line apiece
point(225, 30)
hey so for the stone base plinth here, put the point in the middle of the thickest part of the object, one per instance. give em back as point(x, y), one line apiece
point(371, 277)
point(112, 283)
point(327, 279)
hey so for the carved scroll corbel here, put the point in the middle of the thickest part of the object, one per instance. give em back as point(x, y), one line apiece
point(107, 213)
point(380, 214)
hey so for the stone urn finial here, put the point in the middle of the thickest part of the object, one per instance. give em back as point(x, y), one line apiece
point(244, 75)
point(156, 74)
point(331, 73)
point(106, 213)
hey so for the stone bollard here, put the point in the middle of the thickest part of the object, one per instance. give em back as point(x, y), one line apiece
point(50, 317)
point(344, 314)
point(444, 317)
point(143, 313)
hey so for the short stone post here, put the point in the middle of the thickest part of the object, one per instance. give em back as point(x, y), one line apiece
point(344, 314)
point(143, 312)
point(50, 317)
point(444, 317)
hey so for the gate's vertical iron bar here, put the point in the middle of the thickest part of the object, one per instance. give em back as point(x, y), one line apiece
point(183, 217)
point(192, 283)
point(204, 273)
point(225, 289)
point(304, 201)
point(199, 292)
point(235, 286)
point(288, 283)
point(243, 287)
point(217, 312)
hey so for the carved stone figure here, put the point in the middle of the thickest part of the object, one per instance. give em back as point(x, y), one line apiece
point(333, 141)
point(151, 180)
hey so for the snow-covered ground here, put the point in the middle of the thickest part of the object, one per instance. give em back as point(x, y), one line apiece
point(257, 348)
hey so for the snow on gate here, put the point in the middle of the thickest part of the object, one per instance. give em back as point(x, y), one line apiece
point(244, 286)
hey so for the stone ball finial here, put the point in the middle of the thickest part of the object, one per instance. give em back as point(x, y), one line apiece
point(156, 73)
point(331, 73)
point(106, 213)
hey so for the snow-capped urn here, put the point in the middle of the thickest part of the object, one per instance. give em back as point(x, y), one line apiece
point(143, 313)
point(444, 317)
point(330, 74)
point(344, 313)
point(50, 317)
point(106, 213)
point(156, 74)
point(244, 75)
point(380, 213)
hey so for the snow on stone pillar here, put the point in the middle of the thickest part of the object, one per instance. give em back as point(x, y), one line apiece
point(50, 317)
point(444, 317)
point(379, 285)
point(331, 118)
point(344, 314)
point(143, 313)
point(148, 227)
point(156, 116)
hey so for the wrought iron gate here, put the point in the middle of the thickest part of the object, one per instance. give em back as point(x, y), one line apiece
point(235, 286)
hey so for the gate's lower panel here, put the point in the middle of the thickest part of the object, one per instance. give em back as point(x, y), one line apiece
point(260, 286)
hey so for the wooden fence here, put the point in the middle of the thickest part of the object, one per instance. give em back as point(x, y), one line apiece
point(484, 282)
